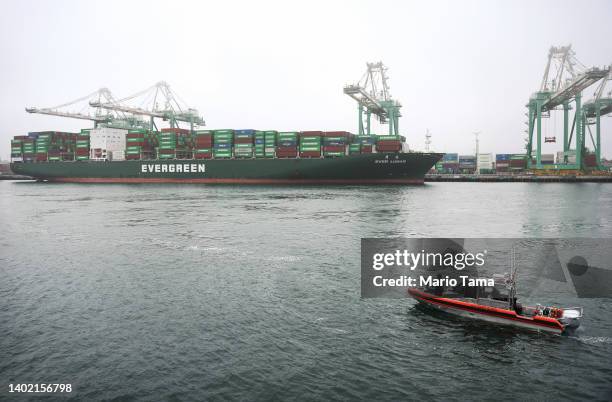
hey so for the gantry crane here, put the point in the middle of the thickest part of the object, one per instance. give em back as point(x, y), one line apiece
point(150, 99)
point(100, 117)
point(373, 97)
point(600, 105)
point(563, 82)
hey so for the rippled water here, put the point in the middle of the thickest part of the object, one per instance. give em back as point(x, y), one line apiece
point(253, 293)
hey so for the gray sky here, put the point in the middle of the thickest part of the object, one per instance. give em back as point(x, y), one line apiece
point(456, 66)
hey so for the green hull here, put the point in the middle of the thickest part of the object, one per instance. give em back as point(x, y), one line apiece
point(379, 168)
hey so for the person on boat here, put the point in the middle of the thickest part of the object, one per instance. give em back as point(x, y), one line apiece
point(518, 307)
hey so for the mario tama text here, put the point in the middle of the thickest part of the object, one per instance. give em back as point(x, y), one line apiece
point(431, 281)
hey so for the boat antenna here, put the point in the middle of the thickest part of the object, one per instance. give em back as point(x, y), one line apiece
point(514, 269)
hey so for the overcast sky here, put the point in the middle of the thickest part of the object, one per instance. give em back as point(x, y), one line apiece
point(456, 66)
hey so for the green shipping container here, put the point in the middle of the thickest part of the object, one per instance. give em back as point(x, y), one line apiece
point(388, 137)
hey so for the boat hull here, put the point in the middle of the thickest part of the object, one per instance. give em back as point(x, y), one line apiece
point(485, 313)
point(379, 168)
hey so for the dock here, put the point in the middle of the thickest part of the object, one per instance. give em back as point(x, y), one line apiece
point(523, 178)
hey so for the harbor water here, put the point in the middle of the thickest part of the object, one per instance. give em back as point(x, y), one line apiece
point(187, 292)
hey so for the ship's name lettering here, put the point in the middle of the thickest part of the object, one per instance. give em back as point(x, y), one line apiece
point(389, 161)
point(173, 168)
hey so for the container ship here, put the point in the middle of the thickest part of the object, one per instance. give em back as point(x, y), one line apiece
point(176, 155)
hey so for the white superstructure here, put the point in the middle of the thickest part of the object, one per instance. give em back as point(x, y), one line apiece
point(107, 143)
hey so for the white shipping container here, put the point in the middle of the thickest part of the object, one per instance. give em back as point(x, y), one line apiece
point(548, 157)
point(571, 158)
point(484, 161)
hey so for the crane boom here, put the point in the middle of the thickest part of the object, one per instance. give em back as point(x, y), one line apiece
point(66, 114)
point(171, 109)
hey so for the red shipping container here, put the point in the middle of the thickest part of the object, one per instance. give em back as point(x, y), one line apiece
point(389, 142)
point(310, 154)
point(132, 156)
point(334, 148)
point(344, 134)
point(41, 157)
point(206, 137)
point(203, 155)
point(134, 135)
point(243, 140)
point(388, 148)
point(180, 131)
point(82, 151)
point(167, 151)
point(590, 160)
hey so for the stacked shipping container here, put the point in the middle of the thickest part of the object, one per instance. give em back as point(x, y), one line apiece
point(270, 143)
point(502, 163)
point(243, 143)
point(82, 146)
point(287, 145)
point(310, 144)
point(518, 162)
point(366, 143)
point(467, 163)
point(260, 144)
point(47, 146)
point(223, 141)
point(335, 143)
point(140, 144)
point(450, 163)
point(389, 143)
point(176, 143)
point(202, 144)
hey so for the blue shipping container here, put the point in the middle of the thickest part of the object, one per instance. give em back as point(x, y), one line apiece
point(287, 143)
point(450, 158)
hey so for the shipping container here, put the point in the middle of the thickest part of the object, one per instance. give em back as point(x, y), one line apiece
point(451, 157)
